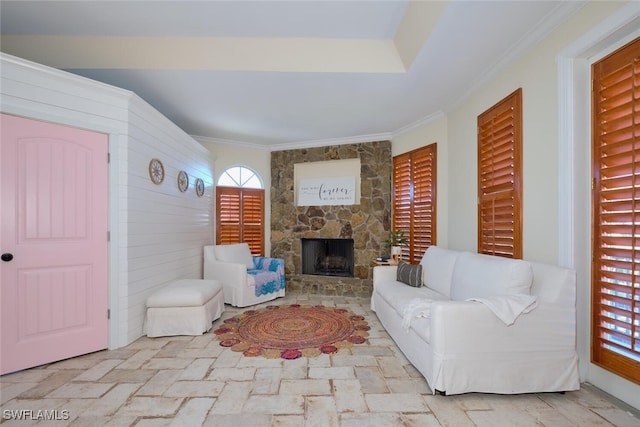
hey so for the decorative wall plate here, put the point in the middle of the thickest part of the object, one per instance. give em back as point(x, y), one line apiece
point(183, 181)
point(199, 187)
point(156, 171)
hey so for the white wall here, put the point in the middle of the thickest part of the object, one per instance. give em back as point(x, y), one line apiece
point(257, 159)
point(546, 163)
point(157, 233)
point(166, 228)
point(434, 130)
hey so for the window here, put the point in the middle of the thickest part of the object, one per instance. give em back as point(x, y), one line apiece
point(414, 200)
point(500, 178)
point(240, 209)
point(616, 213)
point(239, 176)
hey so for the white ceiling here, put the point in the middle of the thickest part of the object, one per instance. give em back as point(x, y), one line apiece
point(281, 74)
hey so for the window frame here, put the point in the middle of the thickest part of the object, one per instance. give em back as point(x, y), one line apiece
point(615, 295)
point(415, 173)
point(246, 178)
point(240, 209)
point(499, 157)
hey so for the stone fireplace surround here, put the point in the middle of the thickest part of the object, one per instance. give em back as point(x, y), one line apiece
point(368, 222)
point(327, 257)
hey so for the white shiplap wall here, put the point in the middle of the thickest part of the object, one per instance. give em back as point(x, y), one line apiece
point(166, 228)
point(157, 232)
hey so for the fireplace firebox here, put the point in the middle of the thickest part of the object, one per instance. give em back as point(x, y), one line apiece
point(327, 257)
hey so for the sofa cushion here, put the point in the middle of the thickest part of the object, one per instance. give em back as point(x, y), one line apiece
point(438, 266)
point(409, 274)
point(480, 276)
point(398, 296)
point(238, 253)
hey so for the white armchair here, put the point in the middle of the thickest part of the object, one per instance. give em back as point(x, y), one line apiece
point(246, 279)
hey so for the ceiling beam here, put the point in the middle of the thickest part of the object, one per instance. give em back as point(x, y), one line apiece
point(419, 20)
point(208, 53)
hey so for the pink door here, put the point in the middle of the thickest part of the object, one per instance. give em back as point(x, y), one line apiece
point(53, 242)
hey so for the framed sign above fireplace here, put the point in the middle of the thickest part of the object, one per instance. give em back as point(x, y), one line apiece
point(327, 191)
point(327, 183)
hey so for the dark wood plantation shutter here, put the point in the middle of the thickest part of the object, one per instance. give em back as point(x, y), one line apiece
point(240, 217)
point(500, 178)
point(402, 198)
point(414, 200)
point(616, 212)
point(423, 226)
point(228, 224)
point(253, 219)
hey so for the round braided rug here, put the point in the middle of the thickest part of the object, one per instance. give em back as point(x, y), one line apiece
point(292, 331)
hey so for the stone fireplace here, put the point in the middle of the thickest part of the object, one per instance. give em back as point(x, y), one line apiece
point(327, 257)
point(366, 223)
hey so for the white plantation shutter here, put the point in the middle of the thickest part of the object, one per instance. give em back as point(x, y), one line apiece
point(500, 178)
point(616, 212)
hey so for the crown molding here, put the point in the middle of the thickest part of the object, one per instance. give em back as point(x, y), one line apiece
point(230, 142)
point(298, 144)
point(358, 139)
point(419, 123)
point(386, 136)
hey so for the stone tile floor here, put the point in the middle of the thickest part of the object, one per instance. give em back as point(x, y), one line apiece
point(192, 381)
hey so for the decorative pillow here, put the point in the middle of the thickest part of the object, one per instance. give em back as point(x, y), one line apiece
point(409, 274)
point(238, 253)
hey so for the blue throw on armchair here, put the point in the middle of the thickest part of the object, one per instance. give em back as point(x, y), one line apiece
point(246, 279)
point(268, 275)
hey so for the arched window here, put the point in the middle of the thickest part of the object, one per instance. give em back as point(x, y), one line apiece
point(240, 209)
point(240, 176)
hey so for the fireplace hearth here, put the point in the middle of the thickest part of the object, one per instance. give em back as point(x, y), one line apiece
point(327, 257)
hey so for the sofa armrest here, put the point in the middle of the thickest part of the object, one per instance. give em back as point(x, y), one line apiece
point(227, 273)
point(462, 328)
point(384, 273)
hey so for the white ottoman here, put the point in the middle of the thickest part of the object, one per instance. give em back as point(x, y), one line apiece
point(184, 307)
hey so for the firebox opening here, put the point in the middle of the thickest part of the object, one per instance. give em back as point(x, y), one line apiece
point(328, 257)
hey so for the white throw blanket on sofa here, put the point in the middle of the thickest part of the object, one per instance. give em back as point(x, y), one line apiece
point(508, 307)
point(417, 307)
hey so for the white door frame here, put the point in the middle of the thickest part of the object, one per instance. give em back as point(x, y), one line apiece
point(118, 320)
point(574, 177)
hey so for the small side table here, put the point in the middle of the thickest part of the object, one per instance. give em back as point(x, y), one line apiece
point(388, 262)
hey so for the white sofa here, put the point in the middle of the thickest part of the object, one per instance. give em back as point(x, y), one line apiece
point(482, 323)
point(246, 279)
